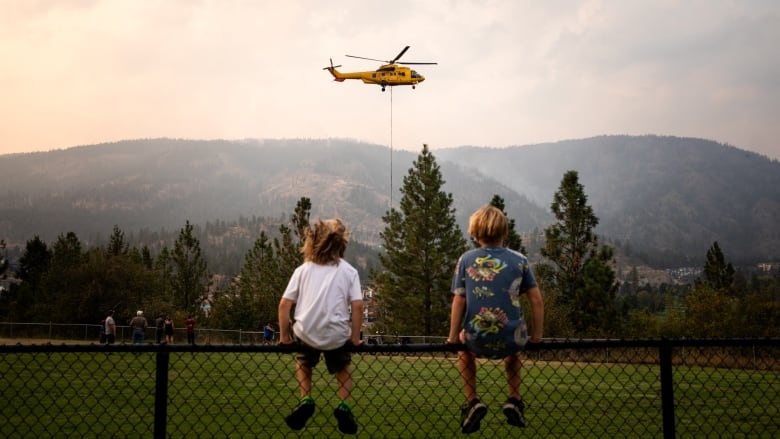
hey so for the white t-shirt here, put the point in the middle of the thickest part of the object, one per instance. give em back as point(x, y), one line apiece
point(110, 326)
point(323, 294)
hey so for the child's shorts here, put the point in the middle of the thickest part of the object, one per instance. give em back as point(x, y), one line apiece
point(335, 360)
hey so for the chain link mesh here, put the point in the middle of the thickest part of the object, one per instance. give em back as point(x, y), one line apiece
point(573, 389)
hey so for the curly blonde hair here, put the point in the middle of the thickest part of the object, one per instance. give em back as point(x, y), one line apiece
point(326, 242)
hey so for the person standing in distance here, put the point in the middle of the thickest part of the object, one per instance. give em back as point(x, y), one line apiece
point(138, 326)
point(324, 288)
point(110, 328)
point(268, 333)
point(486, 314)
point(168, 329)
point(189, 324)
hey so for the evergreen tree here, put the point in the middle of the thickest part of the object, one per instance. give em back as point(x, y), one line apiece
point(191, 278)
point(580, 270)
point(288, 247)
point(60, 286)
point(710, 311)
point(108, 281)
point(116, 244)
point(422, 243)
point(717, 273)
point(253, 297)
point(300, 218)
point(513, 240)
point(163, 265)
point(595, 308)
point(34, 263)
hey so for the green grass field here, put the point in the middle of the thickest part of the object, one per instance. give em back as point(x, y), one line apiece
point(229, 394)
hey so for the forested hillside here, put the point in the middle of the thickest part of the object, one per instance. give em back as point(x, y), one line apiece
point(664, 198)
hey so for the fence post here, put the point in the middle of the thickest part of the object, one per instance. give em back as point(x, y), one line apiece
point(161, 395)
point(667, 389)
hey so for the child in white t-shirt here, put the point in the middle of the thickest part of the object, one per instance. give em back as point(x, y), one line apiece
point(323, 288)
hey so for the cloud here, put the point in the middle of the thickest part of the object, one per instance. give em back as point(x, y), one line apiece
point(509, 72)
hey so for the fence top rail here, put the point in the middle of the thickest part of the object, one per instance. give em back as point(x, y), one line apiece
point(547, 345)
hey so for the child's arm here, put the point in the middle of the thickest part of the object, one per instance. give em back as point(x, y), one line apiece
point(285, 305)
point(456, 318)
point(537, 314)
point(357, 321)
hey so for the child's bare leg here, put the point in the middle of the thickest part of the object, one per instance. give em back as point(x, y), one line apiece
point(344, 379)
point(303, 374)
point(468, 372)
point(512, 366)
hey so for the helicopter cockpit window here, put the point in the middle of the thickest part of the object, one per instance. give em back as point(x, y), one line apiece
point(415, 74)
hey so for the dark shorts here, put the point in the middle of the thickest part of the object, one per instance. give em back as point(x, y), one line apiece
point(336, 360)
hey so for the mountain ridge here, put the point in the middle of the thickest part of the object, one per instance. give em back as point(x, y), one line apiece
point(666, 197)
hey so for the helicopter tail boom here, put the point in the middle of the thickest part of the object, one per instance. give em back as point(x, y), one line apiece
point(337, 76)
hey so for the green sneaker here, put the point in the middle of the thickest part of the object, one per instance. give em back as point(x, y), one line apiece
point(345, 418)
point(301, 414)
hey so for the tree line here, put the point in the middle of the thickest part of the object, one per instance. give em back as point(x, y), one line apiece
point(421, 242)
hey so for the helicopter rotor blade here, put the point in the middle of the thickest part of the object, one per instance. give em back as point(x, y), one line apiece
point(370, 59)
point(420, 63)
point(394, 60)
point(399, 55)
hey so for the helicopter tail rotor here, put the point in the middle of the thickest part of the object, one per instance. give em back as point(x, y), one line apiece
point(332, 69)
point(331, 66)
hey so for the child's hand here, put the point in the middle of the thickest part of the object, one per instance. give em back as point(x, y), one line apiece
point(533, 343)
point(285, 340)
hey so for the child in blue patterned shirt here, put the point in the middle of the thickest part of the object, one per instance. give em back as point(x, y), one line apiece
point(486, 314)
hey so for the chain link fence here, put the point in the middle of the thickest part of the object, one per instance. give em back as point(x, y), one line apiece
point(573, 389)
point(13, 332)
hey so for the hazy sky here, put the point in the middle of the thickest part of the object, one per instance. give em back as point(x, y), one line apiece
point(77, 72)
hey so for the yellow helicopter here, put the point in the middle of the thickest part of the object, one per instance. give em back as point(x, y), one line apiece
point(392, 73)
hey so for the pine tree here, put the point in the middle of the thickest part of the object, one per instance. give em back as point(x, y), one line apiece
point(513, 240)
point(117, 245)
point(17, 304)
point(253, 297)
point(717, 273)
point(422, 243)
point(580, 270)
point(191, 278)
point(34, 263)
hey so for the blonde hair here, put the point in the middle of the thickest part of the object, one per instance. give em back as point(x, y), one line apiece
point(488, 225)
point(326, 242)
